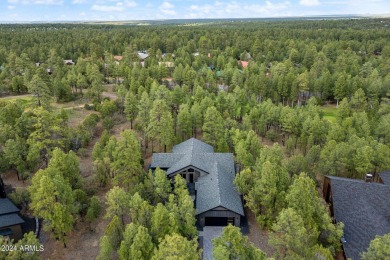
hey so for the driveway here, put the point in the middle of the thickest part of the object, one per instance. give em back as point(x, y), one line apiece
point(209, 233)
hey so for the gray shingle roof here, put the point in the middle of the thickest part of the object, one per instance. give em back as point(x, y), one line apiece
point(7, 207)
point(385, 176)
point(165, 160)
point(214, 189)
point(194, 145)
point(364, 208)
point(142, 55)
point(10, 220)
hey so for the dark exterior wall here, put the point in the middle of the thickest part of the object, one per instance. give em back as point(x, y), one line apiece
point(2, 191)
point(219, 214)
point(17, 232)
point(196, 174)
point(327, 194)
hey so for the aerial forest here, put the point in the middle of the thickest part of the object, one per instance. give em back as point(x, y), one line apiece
point(292, 100)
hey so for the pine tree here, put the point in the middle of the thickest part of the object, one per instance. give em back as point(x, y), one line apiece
point(176, 247)
point(114, 232)
point(40, 90)
point(68, 165)
point(105, 249)
point(290, 237)
point(160, 223)
point(160, 126)
point(379, 248)
point(117, 203)
point(233, 245)
point(213, 127)
point(126, 164)
point(142, 247)
point(184, 122)
point(52, 200)
point(131, 107)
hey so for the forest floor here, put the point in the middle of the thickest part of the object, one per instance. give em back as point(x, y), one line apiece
point(82, 242)
point(259, 237)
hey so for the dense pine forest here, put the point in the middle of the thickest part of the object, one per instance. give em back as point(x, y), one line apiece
point(83, 107)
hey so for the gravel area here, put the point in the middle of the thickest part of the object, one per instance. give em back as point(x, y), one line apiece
point(259, 237)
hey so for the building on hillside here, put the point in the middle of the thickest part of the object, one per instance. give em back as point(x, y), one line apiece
point(244, 64)
point(118, 59)
point(364, 208)
point(142, 55)
point(69, 62)
point(209, 177)
point(10, 221)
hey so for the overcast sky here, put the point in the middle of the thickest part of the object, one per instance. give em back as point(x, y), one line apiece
point(76, 10)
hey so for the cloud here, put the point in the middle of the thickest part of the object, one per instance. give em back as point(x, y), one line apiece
point(108, 8)
point(237, 9)
point(118, 7)
point(79, 1)
point(167, 8)
point(130, 3)
point(309, 2)
point(37, 2)
point(11, 7)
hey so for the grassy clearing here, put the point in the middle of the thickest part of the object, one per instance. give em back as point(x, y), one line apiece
point(25, 100)
point(330, 112)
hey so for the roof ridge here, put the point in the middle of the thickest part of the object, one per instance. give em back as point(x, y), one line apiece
point(218, 183)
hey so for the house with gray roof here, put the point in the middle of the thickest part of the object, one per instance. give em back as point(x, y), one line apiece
point(142, 55)
point(364, 208)
point(209, 176)
point(10, 221)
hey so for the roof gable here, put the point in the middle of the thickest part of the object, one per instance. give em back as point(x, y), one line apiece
point(215, 188)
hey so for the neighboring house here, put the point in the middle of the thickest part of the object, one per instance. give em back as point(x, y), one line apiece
point(69, 62)
point(118, 59)
point(10, 221)
point(244, 64)
point(143, 55)
point(364, 208)
point(209, 177)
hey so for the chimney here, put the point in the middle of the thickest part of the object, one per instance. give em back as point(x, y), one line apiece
point(368, 177)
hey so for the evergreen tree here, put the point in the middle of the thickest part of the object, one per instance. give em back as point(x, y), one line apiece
point(160, 126)
point(213, 127)
point(126, 164)
point(176, 247)
point(117, 202)
point(131, 107)
point(379, 248)
point(290, 237)
point(233, 245)
point(184, 122)
point(57, 210)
